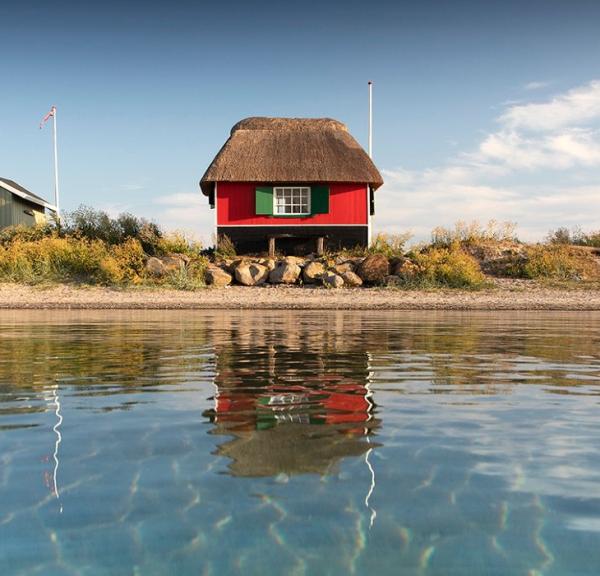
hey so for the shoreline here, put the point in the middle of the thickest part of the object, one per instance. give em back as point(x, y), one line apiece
point(503, 295)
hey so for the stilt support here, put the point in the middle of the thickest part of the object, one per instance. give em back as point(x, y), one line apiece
point(320, 245)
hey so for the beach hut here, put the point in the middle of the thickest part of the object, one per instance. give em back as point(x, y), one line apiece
point(20, 206)
point(295, 185)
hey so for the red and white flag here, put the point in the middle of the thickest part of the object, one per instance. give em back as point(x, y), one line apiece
point(48, 116)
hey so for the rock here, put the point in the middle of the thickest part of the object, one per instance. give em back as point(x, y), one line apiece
point(393, 281)
point(407, 271)
point(374, 268)
point(343, 267)
point(396, 265)
point(268, 262)
point(498, 258)
point(251, 274)
point(351, 278)
point(226, 264)
point(331, 280)
point(173, 263)
point(155, 267)
point(294, 260)
point(216, 276)
point(312, 272)
point(177, 256)
point(284, 273)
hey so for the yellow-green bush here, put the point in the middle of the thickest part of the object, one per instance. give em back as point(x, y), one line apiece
point(51, 258)
point(443, 267)
point(54, 259)
point(559, 262)
point(124, 263)
point(25, 233)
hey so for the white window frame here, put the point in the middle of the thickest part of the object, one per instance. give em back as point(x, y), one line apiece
point(303, 189)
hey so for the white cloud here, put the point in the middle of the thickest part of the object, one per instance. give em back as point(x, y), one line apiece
point(578, 105)
point(186, 212)
point(530, 86)
point(541, 169)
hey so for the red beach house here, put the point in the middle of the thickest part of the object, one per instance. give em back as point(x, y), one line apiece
point(298, 184)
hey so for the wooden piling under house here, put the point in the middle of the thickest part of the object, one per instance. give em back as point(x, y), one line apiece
point(292, 185)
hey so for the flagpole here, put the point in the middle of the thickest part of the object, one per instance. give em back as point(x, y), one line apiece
point(56, 192)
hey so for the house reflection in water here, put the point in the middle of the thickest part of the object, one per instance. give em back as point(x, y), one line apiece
point(294, 402)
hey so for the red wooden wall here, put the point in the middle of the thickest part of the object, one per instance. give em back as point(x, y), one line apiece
point(236, 206)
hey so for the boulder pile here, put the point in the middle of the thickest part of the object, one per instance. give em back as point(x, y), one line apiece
point(337, 272)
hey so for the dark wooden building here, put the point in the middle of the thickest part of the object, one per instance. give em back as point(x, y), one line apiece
point(299, 183)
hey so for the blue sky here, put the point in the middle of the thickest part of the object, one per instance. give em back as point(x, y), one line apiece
point(482, 109)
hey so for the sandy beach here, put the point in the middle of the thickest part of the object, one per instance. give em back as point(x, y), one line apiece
point(505, 295)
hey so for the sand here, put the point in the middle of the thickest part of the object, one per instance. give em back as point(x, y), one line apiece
point(505, 295)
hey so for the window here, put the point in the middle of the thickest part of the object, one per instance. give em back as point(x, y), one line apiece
point(290, 201)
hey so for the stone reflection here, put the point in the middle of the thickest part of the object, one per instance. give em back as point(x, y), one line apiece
point(294, 401)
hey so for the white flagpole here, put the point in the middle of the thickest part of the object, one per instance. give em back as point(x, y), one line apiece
point(56, 192)
point(370, 119)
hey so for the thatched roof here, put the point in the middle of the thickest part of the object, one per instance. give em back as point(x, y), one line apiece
point(286, 150)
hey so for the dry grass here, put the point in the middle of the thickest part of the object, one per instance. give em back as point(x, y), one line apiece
point(474, 233)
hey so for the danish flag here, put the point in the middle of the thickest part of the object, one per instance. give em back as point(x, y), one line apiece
point(48, 116)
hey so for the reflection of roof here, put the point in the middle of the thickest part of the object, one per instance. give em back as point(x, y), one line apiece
point(15, 188)
point(290, 448)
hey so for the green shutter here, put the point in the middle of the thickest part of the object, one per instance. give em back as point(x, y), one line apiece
point(319, 199)
point(264, 200)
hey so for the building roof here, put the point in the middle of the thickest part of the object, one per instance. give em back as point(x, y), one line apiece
point(18, 190)
point(290, 150)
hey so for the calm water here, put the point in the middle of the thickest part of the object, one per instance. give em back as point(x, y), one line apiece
point(299, 443)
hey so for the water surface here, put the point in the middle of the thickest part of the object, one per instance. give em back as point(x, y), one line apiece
point(299, 443)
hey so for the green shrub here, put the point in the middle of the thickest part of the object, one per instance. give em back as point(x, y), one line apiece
point(561, 236)
point(92, 224)
point(588, 239)
point(575, 236)
point(191, 277)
